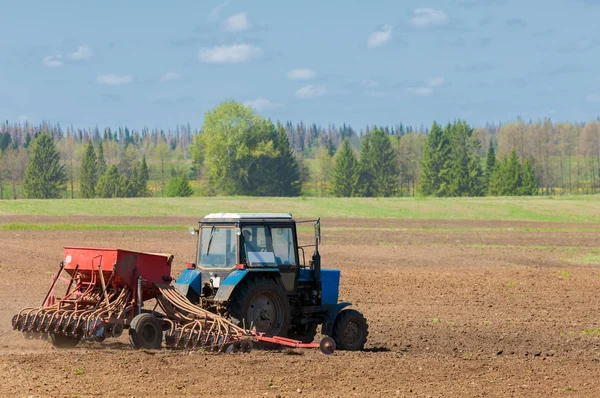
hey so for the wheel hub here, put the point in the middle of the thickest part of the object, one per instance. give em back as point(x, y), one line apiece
point(351, 333)
point(263, 313)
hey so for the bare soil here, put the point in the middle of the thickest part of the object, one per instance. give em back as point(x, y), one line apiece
point(455, 308)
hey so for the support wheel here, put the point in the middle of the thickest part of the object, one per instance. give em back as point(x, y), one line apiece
point(262, 304)
point(350, 330)
point(145, 331)
point(63, 341)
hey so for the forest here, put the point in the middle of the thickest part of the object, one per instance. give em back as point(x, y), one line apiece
point(238, 152)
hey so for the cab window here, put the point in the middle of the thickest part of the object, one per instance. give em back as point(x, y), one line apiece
point(283, 246)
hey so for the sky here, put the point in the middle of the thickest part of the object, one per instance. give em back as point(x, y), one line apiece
point(159, 64)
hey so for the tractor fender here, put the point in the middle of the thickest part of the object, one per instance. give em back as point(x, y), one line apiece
point(332, 312)
point(190, 279)
point(237, 277)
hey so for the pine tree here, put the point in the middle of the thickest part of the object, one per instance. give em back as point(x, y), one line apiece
point(465, 175)
point(496, 183)
point(363, 178)
point(101, 162)
point(288, 173)
point(343, 171)
point(143, 178)
point(89, 172)
point(490, 161)
point(45, 176)
point(179, 187)
point(434, 167)
point(384, 164)
point(111, 184)
point(529, 183)
point(512, 174)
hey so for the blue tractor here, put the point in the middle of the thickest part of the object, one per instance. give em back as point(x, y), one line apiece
point(250, 268)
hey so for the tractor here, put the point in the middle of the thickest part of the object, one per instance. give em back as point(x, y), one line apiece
point(250, 269)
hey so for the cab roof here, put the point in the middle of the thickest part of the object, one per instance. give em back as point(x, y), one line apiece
point(235, 217)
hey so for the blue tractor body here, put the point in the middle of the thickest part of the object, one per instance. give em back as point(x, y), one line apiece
point(250, 268)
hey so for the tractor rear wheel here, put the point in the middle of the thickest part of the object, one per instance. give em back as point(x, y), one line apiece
point(350, 330)
point(145, 331)
point(63, 341)
point(261, 303)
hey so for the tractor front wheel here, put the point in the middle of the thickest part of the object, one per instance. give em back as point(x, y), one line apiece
point(145, 331)
point(63, 341)
point(261, 303)
point(350, 330)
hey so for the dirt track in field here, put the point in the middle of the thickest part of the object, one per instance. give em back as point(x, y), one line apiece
point(456, 308)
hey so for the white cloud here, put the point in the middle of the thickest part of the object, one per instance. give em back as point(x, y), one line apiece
point(23, 118)
point(215, 12)
point(380, 37)
point(421, 91)
point(262, 104)
point(593, 97)
point(312, 91)
point(233, 54)
point(114, 80)
point(237, 23)
point(82, 53)
point(53, 62)
point(435, 81)
point(425, 17)
point(301, 74)
point(169, 77)
point(369, 83)
point(427, 89)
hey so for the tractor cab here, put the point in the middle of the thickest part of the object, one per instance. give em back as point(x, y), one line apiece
point(250, 268)
point(265, 242)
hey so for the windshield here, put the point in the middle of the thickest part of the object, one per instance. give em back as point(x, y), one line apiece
point(218, 247)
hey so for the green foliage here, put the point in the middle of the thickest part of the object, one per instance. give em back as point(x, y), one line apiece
point(322, 170)
point(377, 173)
point(45, 176)
point(197, 152)
point(465, 175)
point(529, 183)
point(450, 164)
point(143, 178)
point(490, 162)
point(343, 170)
point(5, 139)
point(179, 187)
point(363, 178)
point(112, 184)
point(382, 163)
point(510, 177)
point(247, 155)
point(89, 173)
point(434, 167)
point(288, 181)
point(101, 162)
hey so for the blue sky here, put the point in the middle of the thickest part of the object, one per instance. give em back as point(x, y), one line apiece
point(158, 64)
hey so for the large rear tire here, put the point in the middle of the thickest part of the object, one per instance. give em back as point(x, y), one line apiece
point(59, 340)
point(350, 330)
point(145, 331)
point(261, 303)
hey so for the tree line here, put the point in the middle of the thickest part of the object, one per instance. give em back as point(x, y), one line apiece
point(237, 152)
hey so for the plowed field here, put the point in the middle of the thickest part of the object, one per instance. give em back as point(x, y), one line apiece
point(455, 308)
